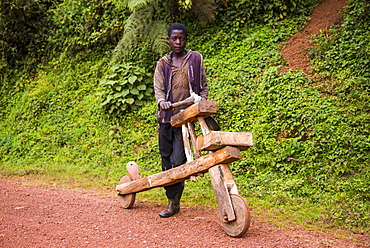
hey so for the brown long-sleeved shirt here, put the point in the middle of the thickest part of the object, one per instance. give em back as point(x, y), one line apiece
point(179, 80)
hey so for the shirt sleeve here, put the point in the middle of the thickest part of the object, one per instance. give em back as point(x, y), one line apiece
point(159, 89)
point(204, 87)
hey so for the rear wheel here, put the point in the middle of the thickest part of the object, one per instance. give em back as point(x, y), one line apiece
point(127, 201)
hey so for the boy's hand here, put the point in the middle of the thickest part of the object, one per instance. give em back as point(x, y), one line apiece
point(165, 105)
point(197, 98)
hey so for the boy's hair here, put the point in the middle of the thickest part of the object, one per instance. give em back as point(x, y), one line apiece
point(177, 26)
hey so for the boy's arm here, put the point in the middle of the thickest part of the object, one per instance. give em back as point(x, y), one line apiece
point(159, 90)
point(204, 87)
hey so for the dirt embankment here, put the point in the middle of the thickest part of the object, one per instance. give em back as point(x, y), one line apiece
point(323, 17)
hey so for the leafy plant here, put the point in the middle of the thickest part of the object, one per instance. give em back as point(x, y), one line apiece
point(345, 48)
point(148, 21)
point(24, 28)
point(126, 87)
point(86, 24)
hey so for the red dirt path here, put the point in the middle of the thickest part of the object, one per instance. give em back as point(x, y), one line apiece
point(46, 216)
point(323, 17)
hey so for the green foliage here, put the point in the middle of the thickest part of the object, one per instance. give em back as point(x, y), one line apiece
point(24, 29)
point(125, 88)
point(346, 48)
point(202, 10)
point(141, 35)
point(342, 58)
point(185, 4)
point(236, 14)
point(137, 4)
point(57, 124)
point(148, 22)
point(84, 24)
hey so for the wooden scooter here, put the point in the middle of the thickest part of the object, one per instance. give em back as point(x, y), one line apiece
point(224, 148)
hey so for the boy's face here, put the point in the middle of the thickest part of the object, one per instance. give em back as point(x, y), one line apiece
point(177, 41)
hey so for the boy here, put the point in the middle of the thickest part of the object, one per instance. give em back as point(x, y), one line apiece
point(176, 76)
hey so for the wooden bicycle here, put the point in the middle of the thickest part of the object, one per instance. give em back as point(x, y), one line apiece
point(223, 147)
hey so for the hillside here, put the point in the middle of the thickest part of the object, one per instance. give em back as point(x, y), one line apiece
point(307, 109)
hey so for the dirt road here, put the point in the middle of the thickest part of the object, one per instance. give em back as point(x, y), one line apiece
point(44, 216)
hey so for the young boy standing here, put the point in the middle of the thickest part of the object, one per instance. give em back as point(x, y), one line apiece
point(177, 75)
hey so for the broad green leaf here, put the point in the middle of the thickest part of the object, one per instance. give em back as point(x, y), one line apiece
point(125, 93)
point(104, 103)
point(111, 82)
point(113, 68)
point(123, 82)
point(109, 98)
point(130, 100)
point(134, 91)
point(132, 79)
point(140, 96)
point(148, 91)
point(111, 75)
point(141, 87)
point(138, 103)
point(117, 95)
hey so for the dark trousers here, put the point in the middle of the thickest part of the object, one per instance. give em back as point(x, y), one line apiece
point(171, 148)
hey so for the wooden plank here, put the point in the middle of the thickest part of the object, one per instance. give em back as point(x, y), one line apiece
point(193, 139)
point(218, 139)
point(187, 147)
point(202, 108)
point(178, 174)
point(222, 193)
point(203, 125)
point(229, 179)
point(186, 141)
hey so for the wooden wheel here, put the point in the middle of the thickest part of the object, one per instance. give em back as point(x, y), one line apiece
point(127, 201)
point(240, 225)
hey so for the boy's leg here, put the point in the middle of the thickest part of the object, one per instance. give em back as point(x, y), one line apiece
point(177, 158)
point(173, 154)
point(170, 153)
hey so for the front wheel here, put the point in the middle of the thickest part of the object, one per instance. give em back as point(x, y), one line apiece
point(240, 225)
